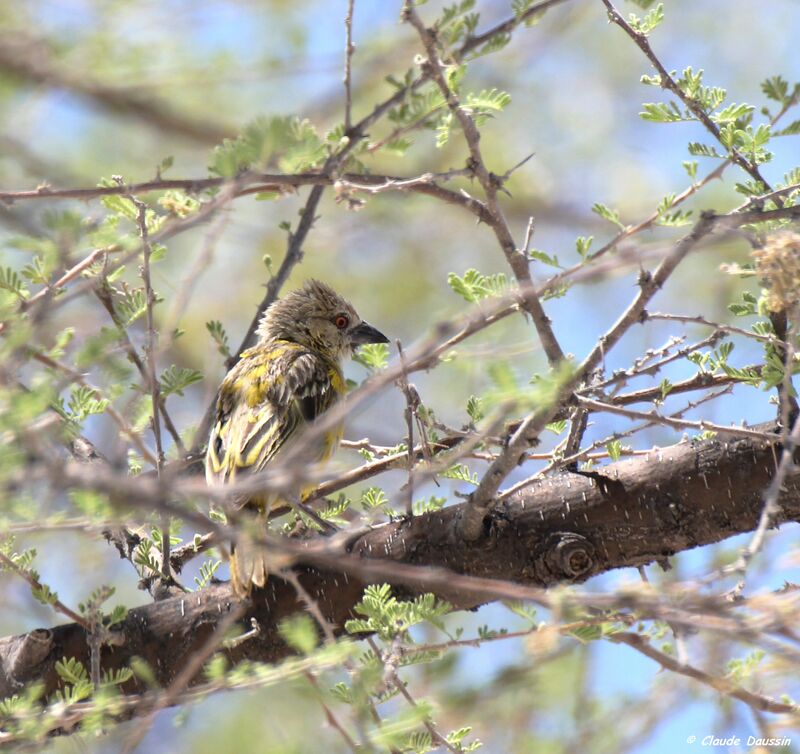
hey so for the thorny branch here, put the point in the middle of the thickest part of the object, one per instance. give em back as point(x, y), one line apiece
point(467, 575)
point(150, 364)
point(490, 184)
point(668, 82)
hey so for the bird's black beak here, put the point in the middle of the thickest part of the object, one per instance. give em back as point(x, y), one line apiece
point(366, 333)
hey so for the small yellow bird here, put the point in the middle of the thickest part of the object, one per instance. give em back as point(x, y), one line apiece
point(291, 376)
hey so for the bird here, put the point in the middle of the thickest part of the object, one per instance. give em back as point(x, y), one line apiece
point(291, 376)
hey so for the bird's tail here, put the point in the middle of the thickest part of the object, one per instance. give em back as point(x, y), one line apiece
point(248, 561)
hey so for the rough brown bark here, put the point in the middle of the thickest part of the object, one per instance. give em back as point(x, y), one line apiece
point(561, 529)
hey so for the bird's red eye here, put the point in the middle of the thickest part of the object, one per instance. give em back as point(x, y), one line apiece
point(341, 321)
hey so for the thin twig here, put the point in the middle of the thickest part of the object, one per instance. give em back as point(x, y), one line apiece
point(311, 604)
point(181, 297)
point(36, 585)
point(700, 320)
point(771, 506)
point(193, 665)
point(333, 721)
point(104, 295)
point(68, 276)
point(390, 661)
point(721, 685)
point(151, 339)
point(349, 49)
point(410, 411)
point(702, 424)
point(490, 183)
point(667, 82)
point(80, 379)
point(571, 461)
point(470, 525)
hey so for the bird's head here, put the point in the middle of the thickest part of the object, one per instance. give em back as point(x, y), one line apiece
point(317, 317)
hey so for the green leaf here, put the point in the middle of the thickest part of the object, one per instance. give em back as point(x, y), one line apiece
point(157, 252)
point(398, 146)
point(22, 560)
point(83, 402)
point(179, 203)
point(732, 113)
point(456, 22)
point(753, 142)
point(220, 337)
point(748, 375)
point(343, 693)
point(651, 20)
point(334, 509)
point(457, 736)
point(373, 356)
point(498, 41)
point(708, 97)
point(117, 615)
point(520, 7)
point(661, 112)
point(791, 130)
point(132, 304)
point(71, 671)
point(747, 308)
point(63, 339)
point(431, 505)
point(207, 571)
point(585, 634)
point(389, 617)
point(116, 677)
point(373, 497)
point(443, 129)
point(118, 205)
point(522, 609)
point(215, 669)
point(288, 143)
point(696, 149)
point(674, 219)
point(741, 669)
point(37, 271)
point(487, 99)
point(614, 450)
point(300, 633)
point(582, 245)
point(475, 286)
point(541, 256)
point(462, 473)
point(475, 408)
point(11, 281)
point(175, 380)
point(777, 88)
point(608, 214)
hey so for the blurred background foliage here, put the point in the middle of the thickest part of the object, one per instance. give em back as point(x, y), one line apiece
point(94, 88)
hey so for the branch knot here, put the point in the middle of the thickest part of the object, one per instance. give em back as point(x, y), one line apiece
point(569, 555)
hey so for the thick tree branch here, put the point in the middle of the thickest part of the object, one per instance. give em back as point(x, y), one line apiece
point(559, 530)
